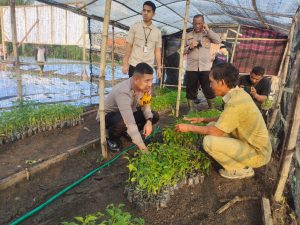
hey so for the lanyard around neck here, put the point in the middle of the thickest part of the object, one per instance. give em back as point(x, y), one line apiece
point(146, 37)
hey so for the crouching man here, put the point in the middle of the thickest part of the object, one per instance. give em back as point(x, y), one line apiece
point(127, 109)
point(238, 139)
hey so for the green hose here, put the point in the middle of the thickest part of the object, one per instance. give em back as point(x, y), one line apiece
point(50, 200)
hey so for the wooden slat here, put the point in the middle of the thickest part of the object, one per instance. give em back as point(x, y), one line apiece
point(266, 211)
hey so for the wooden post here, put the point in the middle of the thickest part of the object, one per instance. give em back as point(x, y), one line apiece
point(282, 78)
point(162, 63)
point(38, 27)
point(2, 36)
point(83, 73)
point(113, 57)
point(290, 141)
point(102, 78)
point(281, 82)
point(66, 27)
point(51, 24)
point(3, 65)
point(25, 21)
point(187, 5)
point(235, 43)
point(14, 31)
point(15, 48)
point(266, 211)
point(283, 59)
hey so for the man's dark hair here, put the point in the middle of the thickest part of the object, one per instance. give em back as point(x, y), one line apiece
point(258, 70)
point(143, 68)
point(199, 16)
point(226, 72)
point(151, 4)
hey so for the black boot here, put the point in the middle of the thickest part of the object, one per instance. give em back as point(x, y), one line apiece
point(113, 146)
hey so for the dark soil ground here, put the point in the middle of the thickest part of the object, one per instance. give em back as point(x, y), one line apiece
point(190, 205)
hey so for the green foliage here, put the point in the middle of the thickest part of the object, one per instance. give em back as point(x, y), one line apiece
point(53, 51)
point(211, 113)
point(165, 98)
point(218, 102)
point(187, 139)
point(164, 165)
point(267, 104)
point(114, 216)
point(18, 2)
point(28, 115)
point(71, 52)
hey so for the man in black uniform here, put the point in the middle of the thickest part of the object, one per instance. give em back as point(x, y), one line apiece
point(256, 85)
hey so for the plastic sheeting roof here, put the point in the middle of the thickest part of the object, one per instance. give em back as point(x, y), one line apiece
point(275, 14)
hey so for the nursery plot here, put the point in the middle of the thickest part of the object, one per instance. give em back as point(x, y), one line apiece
point(169, 166)
point(190, 205)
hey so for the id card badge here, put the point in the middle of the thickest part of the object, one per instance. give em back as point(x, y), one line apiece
point(146, 49)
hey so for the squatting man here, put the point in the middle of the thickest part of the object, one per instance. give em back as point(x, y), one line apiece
point(238, 139)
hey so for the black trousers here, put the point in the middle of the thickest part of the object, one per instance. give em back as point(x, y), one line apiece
point(195, 78)
point(131, 70)
point(117, 128)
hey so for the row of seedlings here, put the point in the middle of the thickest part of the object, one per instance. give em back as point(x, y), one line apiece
point(113, 215)
point(154, 177)
point(164, 99)
point(29, 119)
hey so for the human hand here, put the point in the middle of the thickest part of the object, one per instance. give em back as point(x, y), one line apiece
point(182, 127)
point(147, 128)
point(193, 44)
point(205, 27)
point(143, 148)
point(158, 73)
point(194, 120)
point(253, 91)
point(125, 68)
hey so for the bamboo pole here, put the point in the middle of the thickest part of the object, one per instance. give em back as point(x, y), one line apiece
point(51, 24)
point(102, 78)
point(83, 73)
point(25, 21)
point(3, 66)
point(14, 31)
point(290, 141)
point(113, 57)
point(15, 48)
point(283, 60)
point(235, 42)
point(279, 75)
point(283, 77)
point(66, 26)
point(260, 17)
point(258, 39)
point(162, 63)
point(187, 5)
point(54, 63)
point(38, 27)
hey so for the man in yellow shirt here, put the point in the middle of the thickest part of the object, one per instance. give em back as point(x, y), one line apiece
point(238, 139)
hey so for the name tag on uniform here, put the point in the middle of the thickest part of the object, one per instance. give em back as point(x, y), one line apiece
point(146, 50)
